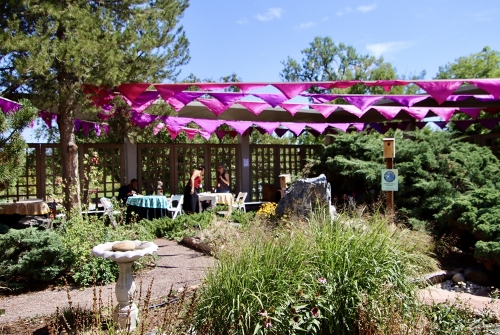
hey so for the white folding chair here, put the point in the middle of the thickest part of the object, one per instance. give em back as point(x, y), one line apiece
point(239, 201)
point(207, 197)
point(108, 210)
point(178, 208)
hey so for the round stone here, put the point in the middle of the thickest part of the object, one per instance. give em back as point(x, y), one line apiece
point(123, 246)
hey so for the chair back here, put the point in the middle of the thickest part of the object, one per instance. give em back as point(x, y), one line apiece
point(179, 199)
point(241, 197)
point(107, 204)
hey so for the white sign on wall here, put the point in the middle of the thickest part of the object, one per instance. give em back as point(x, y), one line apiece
point(389, 179)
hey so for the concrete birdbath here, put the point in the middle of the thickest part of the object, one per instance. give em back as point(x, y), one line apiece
point(124, 253)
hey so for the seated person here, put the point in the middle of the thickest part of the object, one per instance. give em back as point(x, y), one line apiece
point(127, 191)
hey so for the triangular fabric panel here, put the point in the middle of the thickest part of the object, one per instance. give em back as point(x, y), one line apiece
point(239, 126)
point(228, 99)
point(132, 91)
point(210, 126)
point(420, 125)
point(472, 112)
point(388, 112)
point(187, 97)
point(295, 127)
point(221, 133)
point(176, 104)
point(319, 127)
point(215, 106)
point(406, 100)
point(440, 90)
point(358, 126)
point(444, 113)
point(324, 110)
point(362, 102)
point(345, 83)
point(142, 120)
point(387, 84)
point(378, 127)
point(353, 110)
point(440, 124)
point(8, 106)
point(463, 124)
point(169, 90)
point(143, 101)
point(280, 132)
point(212, 86)
point(489, 123)
point(245, 87)
point(291, 90)
point(417, 113)
point(321, 98)
point(492, 86)
point(269, 127)
point(158, 127)
point(256, 107)
point(272, 99)
point(292, 108)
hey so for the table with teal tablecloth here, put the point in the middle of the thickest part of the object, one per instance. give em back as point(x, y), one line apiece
point(147, 207)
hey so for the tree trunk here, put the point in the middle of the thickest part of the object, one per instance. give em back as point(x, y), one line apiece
point(69, 151)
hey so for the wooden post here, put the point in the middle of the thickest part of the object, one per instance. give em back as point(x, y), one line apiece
point(389, 154)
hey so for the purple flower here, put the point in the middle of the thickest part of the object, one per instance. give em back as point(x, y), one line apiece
point(263, 312)
point(322, 280)
point(315, 311)
point(268, 323)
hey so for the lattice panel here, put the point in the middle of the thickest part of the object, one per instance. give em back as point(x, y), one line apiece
point(263, 170)
point(227, 155)
point(52, 172)
point(155, 165)
point(188, 157)
point(107, 167)
point(26, 183)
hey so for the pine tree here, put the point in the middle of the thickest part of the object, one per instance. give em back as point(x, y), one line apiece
point(49, 51)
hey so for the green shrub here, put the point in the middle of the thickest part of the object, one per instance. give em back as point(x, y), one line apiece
point(31, 255)
point(306, 280)
point(81, 234)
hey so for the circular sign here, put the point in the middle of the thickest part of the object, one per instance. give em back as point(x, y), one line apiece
point(389, 176)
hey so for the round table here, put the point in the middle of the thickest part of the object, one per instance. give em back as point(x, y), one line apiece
point(25, 207)
point(147, 206)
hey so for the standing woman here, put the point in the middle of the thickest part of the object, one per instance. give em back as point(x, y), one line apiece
point(191, 190)
point(223, 182)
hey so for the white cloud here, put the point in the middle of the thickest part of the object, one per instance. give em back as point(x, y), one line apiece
point(367, 8)
point(343, 11)
point(379, 49)
point(242, 21)
point(272, 13)
point(307, 25)
point(310, 24)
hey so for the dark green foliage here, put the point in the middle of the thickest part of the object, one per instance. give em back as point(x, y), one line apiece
point(31, 255)
point(434, 168)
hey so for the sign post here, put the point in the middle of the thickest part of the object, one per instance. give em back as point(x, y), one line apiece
point(389, 175)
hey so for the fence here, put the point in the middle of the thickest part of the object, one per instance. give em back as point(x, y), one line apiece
point(103, 168)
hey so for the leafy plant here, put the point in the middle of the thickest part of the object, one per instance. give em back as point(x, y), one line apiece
point(31, 255)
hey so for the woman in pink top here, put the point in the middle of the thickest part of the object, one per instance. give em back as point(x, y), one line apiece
point(191, 191)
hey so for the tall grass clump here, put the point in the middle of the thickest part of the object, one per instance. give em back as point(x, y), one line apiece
point(313, 277)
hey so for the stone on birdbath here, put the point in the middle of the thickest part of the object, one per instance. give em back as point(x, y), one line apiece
point(123, 246)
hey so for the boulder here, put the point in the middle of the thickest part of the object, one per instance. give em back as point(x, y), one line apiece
point(458, 277)
point(123, 246)
point(477, 274)
point(306, 195)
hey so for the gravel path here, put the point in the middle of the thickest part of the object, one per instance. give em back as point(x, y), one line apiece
point(178, 266)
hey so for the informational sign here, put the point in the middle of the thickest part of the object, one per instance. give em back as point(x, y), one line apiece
point(389, 179)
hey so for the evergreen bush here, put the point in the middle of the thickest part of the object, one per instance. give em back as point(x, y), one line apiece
point(31, 255)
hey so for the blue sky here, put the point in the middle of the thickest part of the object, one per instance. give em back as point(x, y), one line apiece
point(251, 38)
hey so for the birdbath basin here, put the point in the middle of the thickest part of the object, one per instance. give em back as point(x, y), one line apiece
point(124, 253)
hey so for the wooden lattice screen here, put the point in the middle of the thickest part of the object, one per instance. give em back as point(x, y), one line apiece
point(25, 188)
point(101, 170)
point(269, 161)
point(229, 156)
point(155, 164)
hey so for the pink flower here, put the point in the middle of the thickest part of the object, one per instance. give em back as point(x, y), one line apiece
point(268, 323)
point(322, 280)
point(263, 312)
point(315, 311)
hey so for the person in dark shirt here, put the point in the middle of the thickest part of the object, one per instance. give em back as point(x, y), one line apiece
point(127, 191)
point(223, 182)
